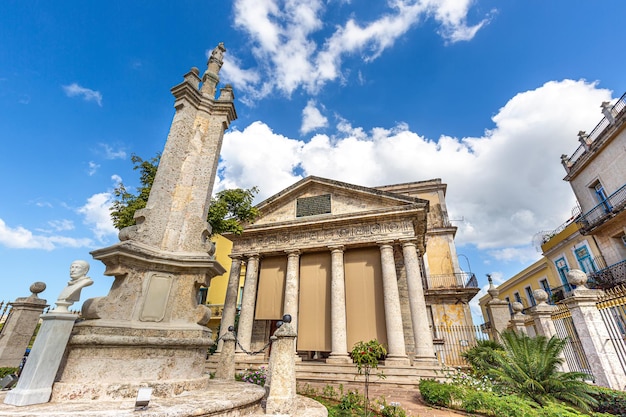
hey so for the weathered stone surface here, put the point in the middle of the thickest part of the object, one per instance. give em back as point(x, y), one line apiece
point(219, 398)
point(282, 373)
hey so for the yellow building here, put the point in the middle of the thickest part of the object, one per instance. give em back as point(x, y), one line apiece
point(562, 250)
point(214, 295)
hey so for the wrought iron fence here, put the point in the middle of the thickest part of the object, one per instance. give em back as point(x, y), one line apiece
point(573, 351)
point(612, 308)
point(610, 276)
point(608, 208)
point(451, 341)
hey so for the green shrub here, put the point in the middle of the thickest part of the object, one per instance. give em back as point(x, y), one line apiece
point(489, 403)
point(7, 371)
point(611, 401)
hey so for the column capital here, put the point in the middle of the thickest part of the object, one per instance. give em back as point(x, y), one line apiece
point(408, 241)
point(337, 248)
point(252, 255)
point(236, 256)
point(293, 252)
point(383, 243)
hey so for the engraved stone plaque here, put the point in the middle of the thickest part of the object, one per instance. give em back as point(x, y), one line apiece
point(312, 206)
point(156, 298)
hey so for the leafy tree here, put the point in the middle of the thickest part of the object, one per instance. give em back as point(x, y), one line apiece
point(228, 209)
point(366, 356)
point(529, 367)
point(126, 203)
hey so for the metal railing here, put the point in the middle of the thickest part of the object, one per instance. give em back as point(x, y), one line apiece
point(608, 208)
point(451, 341)
point(596, 132)
point(610, 276)
point(573, 350)
point(457, 280)
point(612, 309)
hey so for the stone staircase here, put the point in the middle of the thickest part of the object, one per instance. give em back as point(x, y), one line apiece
point(319, 371)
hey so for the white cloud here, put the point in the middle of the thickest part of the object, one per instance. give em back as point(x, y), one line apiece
point(22, 238)
point(93, 168)
point(110, 153)
point(295, 48)
point(61, 225)
point(506, 185)
point(74, 90)
point(97, 215)
point(312, 118)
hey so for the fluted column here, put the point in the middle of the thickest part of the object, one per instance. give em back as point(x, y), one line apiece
point(246, 318)
point(339, 343)
point(292, 285)
point(230, 301)
point(424, 350)
point(393, 317)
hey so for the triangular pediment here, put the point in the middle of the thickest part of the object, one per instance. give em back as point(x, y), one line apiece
point(316, 198)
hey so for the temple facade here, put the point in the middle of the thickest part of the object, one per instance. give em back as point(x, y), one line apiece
point(349, 264)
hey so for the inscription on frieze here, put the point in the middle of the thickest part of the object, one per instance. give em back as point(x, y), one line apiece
point(363, 232)
point(313, 206)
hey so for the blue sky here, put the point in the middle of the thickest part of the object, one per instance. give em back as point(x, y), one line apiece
point(483, 94)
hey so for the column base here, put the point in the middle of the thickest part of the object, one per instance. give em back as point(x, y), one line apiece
point(425, 360)
point(397, 361)
point(338, 359)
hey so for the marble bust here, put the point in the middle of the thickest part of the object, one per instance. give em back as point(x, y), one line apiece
point(78, 281)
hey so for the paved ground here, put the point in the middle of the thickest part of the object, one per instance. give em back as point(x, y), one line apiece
point(408, 397)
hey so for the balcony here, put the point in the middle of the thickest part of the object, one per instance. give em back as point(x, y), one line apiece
point(610, 276)
point(591, 142)
point(607, 209)
point(447, 281)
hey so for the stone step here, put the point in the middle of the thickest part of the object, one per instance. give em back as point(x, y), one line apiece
point(310, 371)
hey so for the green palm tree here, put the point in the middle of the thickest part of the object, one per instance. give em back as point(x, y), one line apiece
point(482, 357)
point(529, 366)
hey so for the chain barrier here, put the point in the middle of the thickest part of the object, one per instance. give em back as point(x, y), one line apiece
point(231, 329)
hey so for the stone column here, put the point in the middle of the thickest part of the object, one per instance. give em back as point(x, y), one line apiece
point(424, 350)
point(281, 398)
point(292, 284)
point(246, 317)
point(20, 326)
point(339, 343)
point(226, 365)
point(593, 333)
point(396, 354)
point(230, 301)
point(518, 320)
point(498, 312)
point(542, 314)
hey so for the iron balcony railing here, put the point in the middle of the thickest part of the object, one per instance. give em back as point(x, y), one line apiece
point(611, 206)
point(595, 133)
point(610, 276)
point(457, 280)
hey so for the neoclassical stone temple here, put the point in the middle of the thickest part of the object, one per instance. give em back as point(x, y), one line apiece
point(350, 263)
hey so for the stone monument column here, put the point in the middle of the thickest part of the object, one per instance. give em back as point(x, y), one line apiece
point(248, 301)
point(292, 283)
point(542, 314)
point(19, 327)
point(230, 301)
point(393, 316)
point(593, 333)
point(339, 343)
point(498, 311)
point(424, 349)
point(149, 329)
point(518, 319)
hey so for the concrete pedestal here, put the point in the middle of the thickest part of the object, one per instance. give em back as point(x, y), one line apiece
point(35, 383)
